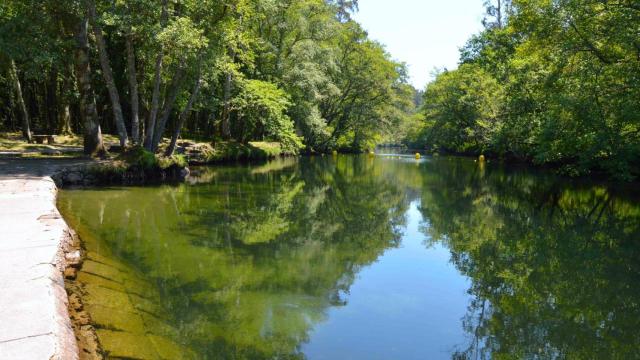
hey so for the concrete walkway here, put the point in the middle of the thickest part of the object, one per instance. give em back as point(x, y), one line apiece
point(34, 322)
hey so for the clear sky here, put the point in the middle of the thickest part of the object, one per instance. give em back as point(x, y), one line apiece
point(426, 34)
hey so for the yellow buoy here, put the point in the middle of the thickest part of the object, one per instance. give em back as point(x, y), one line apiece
point(481, 158)
point(334, 153)
point(418, 156)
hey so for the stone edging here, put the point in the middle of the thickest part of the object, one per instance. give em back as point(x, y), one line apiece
point(66, 346)
point(34, 320)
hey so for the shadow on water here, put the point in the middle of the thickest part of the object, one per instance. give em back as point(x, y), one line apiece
point(247, 260)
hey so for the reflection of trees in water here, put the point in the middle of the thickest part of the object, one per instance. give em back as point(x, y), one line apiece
point(554, 265)
point(249, 262)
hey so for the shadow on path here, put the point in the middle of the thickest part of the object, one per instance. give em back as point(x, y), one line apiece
point(11, 168)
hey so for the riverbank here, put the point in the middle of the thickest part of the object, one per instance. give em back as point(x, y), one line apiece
point(137, 166)
point(34, 321)
point(39, 310)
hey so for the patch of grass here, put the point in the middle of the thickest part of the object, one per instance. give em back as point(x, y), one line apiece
point(233, 151)
point(270, 149)
point(140, 158)
point(109, 171)
point(65, 145)
point(50, 155)
point(165, 162)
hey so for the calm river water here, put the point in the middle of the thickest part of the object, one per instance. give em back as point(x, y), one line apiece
point(369, 258)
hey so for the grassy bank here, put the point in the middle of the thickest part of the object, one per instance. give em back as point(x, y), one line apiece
point(134, 167)
point(65, 146)
point(228, 151)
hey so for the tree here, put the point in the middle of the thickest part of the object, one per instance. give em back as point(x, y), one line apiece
point(261, 109)
point(567, 91)
point(107, 72)
point(93, 144)
point(462, 108)
point(309, 52)
point(157, 79)
point(13, 74)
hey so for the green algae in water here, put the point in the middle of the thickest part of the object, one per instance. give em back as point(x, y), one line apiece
point(354, 257)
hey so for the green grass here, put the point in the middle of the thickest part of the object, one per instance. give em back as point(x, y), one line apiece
point(231, 150)
point(70, 146)
point(66, 146)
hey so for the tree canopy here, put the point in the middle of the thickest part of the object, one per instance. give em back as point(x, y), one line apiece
point(552, 82)
point(301, 72)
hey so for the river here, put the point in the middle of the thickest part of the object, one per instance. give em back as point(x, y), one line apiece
point(358, 257)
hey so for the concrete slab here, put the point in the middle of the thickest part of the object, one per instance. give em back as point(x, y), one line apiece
point(34, 322)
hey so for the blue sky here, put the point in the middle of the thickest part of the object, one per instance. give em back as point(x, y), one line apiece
point(426, 34)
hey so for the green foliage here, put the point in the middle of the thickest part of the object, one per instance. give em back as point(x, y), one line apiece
point(139, 157)
point(556, 84)
point(166, 162)
point(142, 159)
point(462, 109)
point(299, 72)
point(261, 107)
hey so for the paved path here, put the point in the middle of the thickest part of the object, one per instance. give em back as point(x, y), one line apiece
point(34, 323)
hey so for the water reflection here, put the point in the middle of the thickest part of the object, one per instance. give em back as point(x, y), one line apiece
point(248, 260)
point(555, 265)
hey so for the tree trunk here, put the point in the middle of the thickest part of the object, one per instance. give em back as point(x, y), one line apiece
point(226, 109)
point(155, 97)
point(26, 130)
point(12, 113)
point(51, 101)
point(64, 116)
point(184, 114)
point(168, 106)
point(93, 144)
point(107, 73)
point(133, 88)
point(64, 122)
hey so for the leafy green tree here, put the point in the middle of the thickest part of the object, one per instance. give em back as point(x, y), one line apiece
point(462, 108)
point(192, 68)
point(261, 111)
point(568, 86)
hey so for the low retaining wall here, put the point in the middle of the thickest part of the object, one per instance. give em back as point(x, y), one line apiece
point(34, 321)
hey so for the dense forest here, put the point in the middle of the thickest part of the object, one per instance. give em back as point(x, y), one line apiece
point(551, 82)
point(548, 82)
point(299, 72)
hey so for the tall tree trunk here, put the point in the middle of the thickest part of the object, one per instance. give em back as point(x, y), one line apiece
point(64, 121)
point(155, 97)
point(93, 144)
point(107, 73)
point(169, 101)
point(64, 115)
point(12, 113)
point(26, 130)
point(185, 113)
point(51, 101)
point(226, 107)
point(133, 89)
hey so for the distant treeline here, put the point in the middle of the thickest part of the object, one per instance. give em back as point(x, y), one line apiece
point(300, 72)
point(552, 82)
